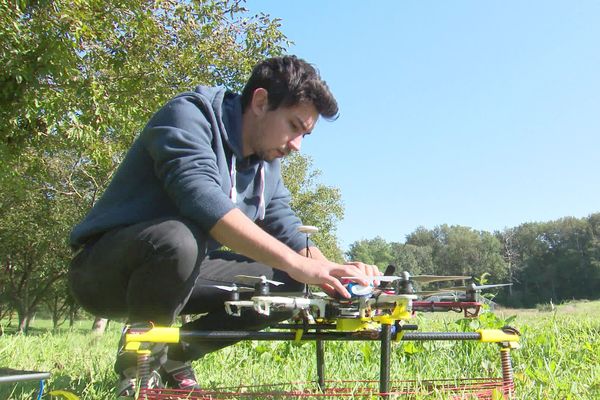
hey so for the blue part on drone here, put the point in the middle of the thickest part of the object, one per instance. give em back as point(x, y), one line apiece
point(357, 290)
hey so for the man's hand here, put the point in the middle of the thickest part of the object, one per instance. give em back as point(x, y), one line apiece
point(326, 274)
point(238, 232)
point(363, 269)
point(367, 269)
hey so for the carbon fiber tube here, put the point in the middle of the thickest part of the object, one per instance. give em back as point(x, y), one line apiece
point(341, 336)
point(320, 364)
point(441, 336)
point(307, 327)
point(384, 366)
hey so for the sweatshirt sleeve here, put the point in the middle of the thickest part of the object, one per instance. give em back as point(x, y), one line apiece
point(179, 139)
point(281, 221)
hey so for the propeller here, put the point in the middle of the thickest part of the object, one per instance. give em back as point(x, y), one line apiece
point(234, 288)
point(428, 293)
point(452, 290)
point(381, 278)
point(478, 288)
point(437, 278)
point(406, 277)
point(250, 280)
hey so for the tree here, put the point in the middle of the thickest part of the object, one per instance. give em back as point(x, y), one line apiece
point(90, 73)
point(61, 304)
point(80, 79)
point(33, 260)
point(405, 257)
point(510, 253)
point(555, 260)
point(315, 204)
point(461, 250)
point(372, 251)
point(414, 259)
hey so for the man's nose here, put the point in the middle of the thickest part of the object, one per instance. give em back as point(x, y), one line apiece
point(295, 143)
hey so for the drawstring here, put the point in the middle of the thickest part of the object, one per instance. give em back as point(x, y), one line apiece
point(232, 172)
point(233, 193)
point(261, 201)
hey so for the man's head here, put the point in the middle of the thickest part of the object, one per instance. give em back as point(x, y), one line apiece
point(281, 104)
point(289, 81)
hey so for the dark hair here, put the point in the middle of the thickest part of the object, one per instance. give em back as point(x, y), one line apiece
point(289, 81)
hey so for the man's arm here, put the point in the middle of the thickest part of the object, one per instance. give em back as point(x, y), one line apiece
point(236, 231)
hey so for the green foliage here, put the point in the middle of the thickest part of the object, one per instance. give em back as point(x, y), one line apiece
point(444, 250)
point(33, 260)
point(374, 251)
point(555, 261)
point(89, 73)
point(315, 204)
point(549, 261)
point(485, 320)
point(80, 79)
point(461, 250)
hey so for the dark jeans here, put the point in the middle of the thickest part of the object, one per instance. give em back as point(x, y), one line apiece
point(156, 270)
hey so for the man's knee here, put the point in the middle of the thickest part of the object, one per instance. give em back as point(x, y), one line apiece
point(178, 239)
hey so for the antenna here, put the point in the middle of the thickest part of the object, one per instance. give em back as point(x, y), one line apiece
point(307, 230)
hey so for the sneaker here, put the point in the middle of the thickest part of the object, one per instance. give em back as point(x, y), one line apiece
point(127, 369)
point(179, 375)
point(128, 381)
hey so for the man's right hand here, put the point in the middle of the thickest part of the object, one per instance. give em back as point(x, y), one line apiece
point(236, 231)
point(325, 274)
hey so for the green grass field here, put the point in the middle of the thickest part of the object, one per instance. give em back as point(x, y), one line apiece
point(559, 357)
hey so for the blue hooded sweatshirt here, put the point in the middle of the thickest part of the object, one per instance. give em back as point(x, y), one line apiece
point(181, 166)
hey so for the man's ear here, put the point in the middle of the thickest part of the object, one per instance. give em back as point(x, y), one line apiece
point(260, 101)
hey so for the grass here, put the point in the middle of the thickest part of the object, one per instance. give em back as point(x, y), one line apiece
point(559, 357)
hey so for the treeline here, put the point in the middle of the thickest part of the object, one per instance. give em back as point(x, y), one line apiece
point(546, 261)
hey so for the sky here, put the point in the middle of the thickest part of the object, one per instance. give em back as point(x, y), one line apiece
point(472, 113)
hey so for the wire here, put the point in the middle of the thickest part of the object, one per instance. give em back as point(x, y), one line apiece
point(41, 391)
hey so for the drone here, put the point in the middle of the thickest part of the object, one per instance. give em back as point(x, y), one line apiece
point(394, 298)
point(388, 298)
point(378, 311)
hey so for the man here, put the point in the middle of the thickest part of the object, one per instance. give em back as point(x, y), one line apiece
point(205, 172)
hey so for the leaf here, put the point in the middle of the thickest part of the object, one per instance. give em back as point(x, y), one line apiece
point(63, 394)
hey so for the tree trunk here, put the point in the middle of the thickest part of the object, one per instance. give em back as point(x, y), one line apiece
point(72, 316)
point(99, 325)
point(23, 322)
point(55, 319)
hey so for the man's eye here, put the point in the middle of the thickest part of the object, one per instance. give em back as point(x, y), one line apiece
point(305, 134)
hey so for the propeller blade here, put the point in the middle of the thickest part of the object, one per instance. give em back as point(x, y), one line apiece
point(428, 293)
point(482, 287)
point(437, 278)
point(255, 279)
point(447, 290)
point(240, 289)
point(380, 278)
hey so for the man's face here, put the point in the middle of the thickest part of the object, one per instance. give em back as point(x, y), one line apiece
point(280, 131)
